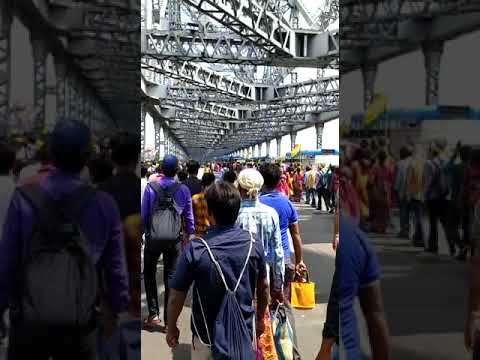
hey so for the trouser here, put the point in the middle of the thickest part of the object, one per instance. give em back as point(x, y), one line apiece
point(463, 218)
point(439, 210)
point(200, 351)
point(404, 216)
point(46, 346)
point(311, 197)
point(416, 208)
point(322, 193)
point(307, 196)
point(170, 251)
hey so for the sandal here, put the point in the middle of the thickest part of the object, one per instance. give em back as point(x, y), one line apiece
point(151, 321)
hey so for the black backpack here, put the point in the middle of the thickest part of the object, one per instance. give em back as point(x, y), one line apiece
point(165, 223)
point(57, 282)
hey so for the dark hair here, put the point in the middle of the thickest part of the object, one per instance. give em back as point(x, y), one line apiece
point(125, 149)
point(100, 170)
point(465, 153)
point(208, 179)
point(7, 158)
point(192, 167)
point(404, 152)
point(271, 175)
point(223, 201)
point(182, 175)
point(70, 145)
point(143, 171)
point(382, 156)
point(230, 176)
point(169, 171)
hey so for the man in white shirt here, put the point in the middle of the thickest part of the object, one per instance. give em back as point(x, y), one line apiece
point(7, 187)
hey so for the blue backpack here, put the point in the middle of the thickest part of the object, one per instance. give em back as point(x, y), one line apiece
point(231, 339)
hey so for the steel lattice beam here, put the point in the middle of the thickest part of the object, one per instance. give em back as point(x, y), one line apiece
point(252, 20)
point(229, 49)
point(197, 75)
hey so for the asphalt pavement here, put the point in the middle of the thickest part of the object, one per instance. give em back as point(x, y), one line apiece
point(316, 231)
point(425, 300)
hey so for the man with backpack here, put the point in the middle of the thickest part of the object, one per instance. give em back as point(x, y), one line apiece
point(58, 235)
point(227, 268)
point(437, 194)
point(165, 204)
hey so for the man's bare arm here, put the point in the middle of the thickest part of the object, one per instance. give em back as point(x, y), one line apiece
point(371, 301)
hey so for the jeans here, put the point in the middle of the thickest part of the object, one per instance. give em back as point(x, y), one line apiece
point(463, 218)
point(404, 216)
point(440, 210)
point(170, 252)
point(324, 194)
point(311, 197)
point(417, 209)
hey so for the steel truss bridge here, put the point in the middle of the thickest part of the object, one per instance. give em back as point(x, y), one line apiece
point(377, 30)
point(201, 81)
point(95, 49)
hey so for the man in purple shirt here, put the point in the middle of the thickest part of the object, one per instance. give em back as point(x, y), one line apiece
point(170, 250)
point(100, 222)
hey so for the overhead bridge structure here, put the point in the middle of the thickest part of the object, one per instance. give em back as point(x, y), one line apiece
point(374, 31)
point(221, 76)
point(95, 49)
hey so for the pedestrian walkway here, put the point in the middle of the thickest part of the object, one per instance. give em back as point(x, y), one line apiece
point(317, 231)
point(425, 299)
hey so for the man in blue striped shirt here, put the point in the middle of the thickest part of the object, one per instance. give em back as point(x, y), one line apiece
point(263, 221)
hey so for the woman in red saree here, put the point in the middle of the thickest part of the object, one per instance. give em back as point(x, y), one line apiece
point(380, 190)
point(297, 185)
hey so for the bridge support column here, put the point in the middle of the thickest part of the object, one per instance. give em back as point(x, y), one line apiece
point(6, 17)
point(293, 138)
point(166, 142)
point(369, 74)
point(81, 101)
point(61, 74)
point(39, 48)
point(432, 52)
point(279, 146)
point(143, 115)
point(267, 142)
point(319, 128)
point(72, 98)
point(157, 138)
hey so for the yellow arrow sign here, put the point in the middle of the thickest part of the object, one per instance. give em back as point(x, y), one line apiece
point(375, 109)
point(296, 150)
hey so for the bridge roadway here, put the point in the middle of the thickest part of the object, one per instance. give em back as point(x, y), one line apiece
point(316, 230)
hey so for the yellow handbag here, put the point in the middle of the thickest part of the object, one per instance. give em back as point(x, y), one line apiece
point(302, 294)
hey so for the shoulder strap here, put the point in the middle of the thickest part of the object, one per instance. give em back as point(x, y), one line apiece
point(43, 204)
point(47, 209)
point(219, 269)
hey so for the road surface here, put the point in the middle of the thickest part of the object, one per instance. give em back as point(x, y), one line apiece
point(316, 230)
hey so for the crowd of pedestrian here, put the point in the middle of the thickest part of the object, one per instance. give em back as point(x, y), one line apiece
point(221, 229)
point(70, 245)
point(433, 183)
